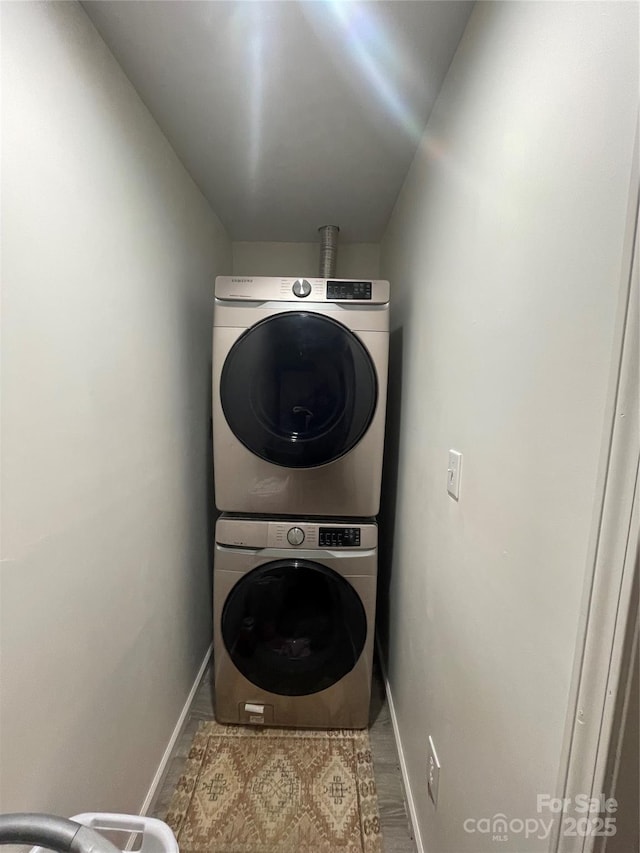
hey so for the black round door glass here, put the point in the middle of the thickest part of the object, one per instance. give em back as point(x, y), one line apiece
point(298, 390)
point(294, 627)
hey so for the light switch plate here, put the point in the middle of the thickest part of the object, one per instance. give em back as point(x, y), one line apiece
point(454, 472)
point(433, 773)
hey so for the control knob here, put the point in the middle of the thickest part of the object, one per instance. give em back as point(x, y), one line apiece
point(301, 288)
point(295, 536)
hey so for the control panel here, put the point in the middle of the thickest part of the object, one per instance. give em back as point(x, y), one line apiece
point(339, 537)
point(349, 290)
point(366, 292)
point(295, 535)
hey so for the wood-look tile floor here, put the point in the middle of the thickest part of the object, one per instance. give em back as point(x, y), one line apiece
point(396, 832)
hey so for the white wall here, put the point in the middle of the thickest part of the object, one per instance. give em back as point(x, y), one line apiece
point(504, 255)
point(354, 259)
point(109, 254)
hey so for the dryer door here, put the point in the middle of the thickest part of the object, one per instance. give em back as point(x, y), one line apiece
point(294, 627)
point(298, 389)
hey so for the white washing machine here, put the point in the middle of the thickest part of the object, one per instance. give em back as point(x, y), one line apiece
point(299, 395)
point(294, 610)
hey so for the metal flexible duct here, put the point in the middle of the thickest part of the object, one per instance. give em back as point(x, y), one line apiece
point(328, 250)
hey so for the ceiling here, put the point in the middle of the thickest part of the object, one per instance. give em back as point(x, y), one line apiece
point(289, 115)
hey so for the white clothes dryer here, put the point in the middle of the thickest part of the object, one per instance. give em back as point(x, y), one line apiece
point(299, 395)
point(294, 612)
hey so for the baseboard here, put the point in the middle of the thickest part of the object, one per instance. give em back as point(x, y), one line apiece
point(175, 735)
point(413, 816)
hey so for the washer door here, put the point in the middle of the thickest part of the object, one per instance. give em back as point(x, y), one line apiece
point(298, 390)
point(294, 627)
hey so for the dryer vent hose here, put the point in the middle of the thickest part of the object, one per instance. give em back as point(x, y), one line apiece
point(328, 250)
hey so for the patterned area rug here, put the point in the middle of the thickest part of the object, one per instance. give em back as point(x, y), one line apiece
point(247, 790)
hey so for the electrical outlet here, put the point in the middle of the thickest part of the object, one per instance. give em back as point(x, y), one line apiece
point(433, 773)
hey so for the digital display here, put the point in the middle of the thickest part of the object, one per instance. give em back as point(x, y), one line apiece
point(348, 290)
point(339, 537)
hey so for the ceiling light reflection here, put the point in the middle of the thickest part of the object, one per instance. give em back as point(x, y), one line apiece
point(369, 49)
point(249, 32)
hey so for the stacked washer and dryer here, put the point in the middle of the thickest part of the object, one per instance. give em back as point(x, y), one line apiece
point(299, 397)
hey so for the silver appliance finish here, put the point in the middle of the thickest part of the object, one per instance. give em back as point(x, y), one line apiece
point(245, 544)
point(245, 483)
